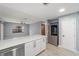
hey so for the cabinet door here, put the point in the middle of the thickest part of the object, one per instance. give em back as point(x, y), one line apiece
point(27, 49)
point(30, 49)
point(33, 48)
point(44, 43)
point(38, 45)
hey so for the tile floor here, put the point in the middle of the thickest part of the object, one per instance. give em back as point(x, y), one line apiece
point(52, 50)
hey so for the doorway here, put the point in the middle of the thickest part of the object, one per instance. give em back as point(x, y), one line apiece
point(42, 29)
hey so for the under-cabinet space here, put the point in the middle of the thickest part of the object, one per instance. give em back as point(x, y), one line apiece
point(8, 52)
point(13, 51)
point(20, 51)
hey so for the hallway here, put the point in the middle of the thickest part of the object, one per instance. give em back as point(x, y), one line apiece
point(52, 50)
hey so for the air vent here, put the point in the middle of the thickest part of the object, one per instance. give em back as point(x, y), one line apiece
point(45, 3)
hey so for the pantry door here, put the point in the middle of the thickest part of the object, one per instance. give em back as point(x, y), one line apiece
point(67, 32)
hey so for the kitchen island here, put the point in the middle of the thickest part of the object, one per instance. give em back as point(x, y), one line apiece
point(20, 46)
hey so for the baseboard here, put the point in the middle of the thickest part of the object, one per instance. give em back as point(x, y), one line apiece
point(74, 50)
point(59, 46)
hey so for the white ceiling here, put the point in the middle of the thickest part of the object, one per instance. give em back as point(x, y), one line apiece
point(36, 10)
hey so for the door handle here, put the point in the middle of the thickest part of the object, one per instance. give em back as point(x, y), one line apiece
point(34, 45)
point(62, 35)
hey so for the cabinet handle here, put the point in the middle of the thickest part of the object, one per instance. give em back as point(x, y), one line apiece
point(43, 40)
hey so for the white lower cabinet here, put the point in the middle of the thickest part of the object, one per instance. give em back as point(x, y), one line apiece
point(31, 48)
point(28, 49)
point(40, 45)
point(44, 44)
point(35, 47)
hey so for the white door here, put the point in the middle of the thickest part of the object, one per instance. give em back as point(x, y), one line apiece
point(67, 30)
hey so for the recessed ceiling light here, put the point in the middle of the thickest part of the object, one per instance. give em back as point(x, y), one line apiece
point(62, 10)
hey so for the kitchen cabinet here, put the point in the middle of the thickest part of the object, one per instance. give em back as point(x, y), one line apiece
point(35, 47)
point(40, 45)
point(29, 48)
point(22, 46)
point(44, 43)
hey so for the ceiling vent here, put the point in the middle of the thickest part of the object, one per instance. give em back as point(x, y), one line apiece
point(45, 3)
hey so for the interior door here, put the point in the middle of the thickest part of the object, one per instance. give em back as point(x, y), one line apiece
point(43, 29)
point(68, 33)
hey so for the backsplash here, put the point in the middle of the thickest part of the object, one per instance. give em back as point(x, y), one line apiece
point(8, 34)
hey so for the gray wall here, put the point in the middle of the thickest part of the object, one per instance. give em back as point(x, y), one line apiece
point(8, 30)
point(35, 28)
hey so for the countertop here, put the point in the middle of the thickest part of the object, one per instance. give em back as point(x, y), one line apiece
point(20, 40)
